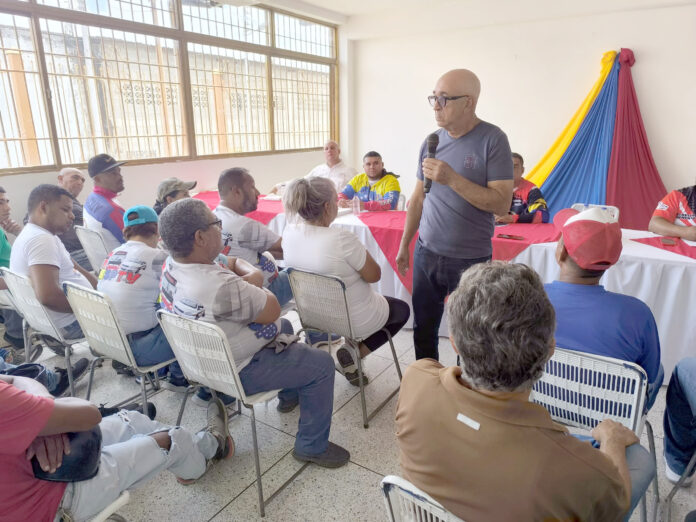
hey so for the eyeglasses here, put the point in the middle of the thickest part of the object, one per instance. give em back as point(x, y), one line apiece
point(442, 100)
point(217, 223)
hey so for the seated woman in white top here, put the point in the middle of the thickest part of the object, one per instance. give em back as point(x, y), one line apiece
point(310, 244)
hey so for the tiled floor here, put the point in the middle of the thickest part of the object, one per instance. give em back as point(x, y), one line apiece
point(228, 492)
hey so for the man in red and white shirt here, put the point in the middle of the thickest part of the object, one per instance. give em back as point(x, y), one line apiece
point(674, 215)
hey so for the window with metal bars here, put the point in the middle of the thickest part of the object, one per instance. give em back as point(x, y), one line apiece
point(205, 79)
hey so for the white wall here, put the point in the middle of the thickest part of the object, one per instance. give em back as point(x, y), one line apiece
point(535, 69)
point(141, 180)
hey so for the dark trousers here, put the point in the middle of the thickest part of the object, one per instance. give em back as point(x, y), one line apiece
point(399, 312)
point(434, 278)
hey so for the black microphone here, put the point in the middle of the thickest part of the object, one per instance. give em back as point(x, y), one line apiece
point(432, 141)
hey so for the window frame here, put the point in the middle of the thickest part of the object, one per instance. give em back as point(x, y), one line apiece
point(35, 11)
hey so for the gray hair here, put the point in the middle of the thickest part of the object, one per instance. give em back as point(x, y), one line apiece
point(179, 222)
point(502, 324)
point(307, 197)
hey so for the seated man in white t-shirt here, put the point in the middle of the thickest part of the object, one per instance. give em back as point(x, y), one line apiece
point(311, 244)
point(246, 238)
point(39, 254)
point(195, 285)
point(130, 276)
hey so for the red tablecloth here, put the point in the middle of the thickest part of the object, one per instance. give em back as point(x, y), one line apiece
point(387, 227)
point(679, 248)
point(265, 212)
point(506, 249)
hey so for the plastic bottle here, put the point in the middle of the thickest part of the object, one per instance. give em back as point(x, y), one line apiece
point(355, 202)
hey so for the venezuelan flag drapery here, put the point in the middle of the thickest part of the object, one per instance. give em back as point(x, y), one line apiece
point(603, 156)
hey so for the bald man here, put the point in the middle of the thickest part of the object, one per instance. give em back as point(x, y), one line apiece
point(334, 169)
point(471, 181)
point(72, 180)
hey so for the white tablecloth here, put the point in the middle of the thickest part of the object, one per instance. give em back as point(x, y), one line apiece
point(665, 281)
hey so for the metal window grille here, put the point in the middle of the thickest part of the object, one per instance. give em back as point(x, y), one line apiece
point(244, 24)
point(24, 134)
point(230, 97)
point(301, 104)
point(113, 91)
point(303, 36)
point(154, 12)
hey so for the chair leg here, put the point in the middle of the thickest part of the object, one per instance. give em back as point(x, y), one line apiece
point(92, 367)
point(259, 486)
point(362, 390)
point(666, 505)
point(68, 369)
point(653, 454)
point(188, 391)
point(393, 350)
point(143, 393)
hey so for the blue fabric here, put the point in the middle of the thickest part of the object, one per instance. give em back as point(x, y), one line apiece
point(589, 319)
point(51, 378)
point(580, 176)
point(106, 212)
point(641, 468)
point(153, 348)
point(434, 277)
point(680, 416)
point(280, 287)
point(13, 323)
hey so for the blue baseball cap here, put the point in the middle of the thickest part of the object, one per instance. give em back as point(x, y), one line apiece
point(144, 215)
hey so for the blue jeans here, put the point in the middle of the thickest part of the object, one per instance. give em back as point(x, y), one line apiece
point(280, 287)
point(51, 380)
point(654, 388)
point(434, 278)
point(680, 416)
point(13, 324)
point(641, 468)
point(302, 372)
point(72, 331)
point(151, 347)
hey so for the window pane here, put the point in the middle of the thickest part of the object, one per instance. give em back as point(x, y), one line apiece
point(113, 92)
point(301, 104)
point(245, 24)
point(230, 100)
point(24, 135)
point(296, 34)
point(156, 12)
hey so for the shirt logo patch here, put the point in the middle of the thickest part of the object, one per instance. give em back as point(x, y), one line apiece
point(468, 421)
point(469, 161)
point(662, 206)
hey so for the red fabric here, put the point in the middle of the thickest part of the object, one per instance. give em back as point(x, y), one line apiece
point(506, 249)
point(633, 181)
point(387, 229)
point(680, 247)
point(264, 213)
point(23, 497)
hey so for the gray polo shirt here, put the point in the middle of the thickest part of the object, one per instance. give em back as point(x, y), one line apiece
point(451, 226)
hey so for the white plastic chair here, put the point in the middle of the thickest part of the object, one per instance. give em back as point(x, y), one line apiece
point(109, 512)
point(406, 503)
point(95, 313)
point(581, 390)
point(37, 318)
point(614, 211)
point(322, 306)
point(94, 246)
point(205, 356)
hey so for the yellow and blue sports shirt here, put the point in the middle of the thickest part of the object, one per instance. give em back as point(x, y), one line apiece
point(383, 195)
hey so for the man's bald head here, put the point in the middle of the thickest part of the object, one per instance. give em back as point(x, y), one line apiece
point(460, 81)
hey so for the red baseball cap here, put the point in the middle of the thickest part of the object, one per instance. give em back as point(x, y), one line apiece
point(591, 237)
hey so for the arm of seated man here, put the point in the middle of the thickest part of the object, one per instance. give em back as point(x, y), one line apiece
point(659, 225)
point(46, 284)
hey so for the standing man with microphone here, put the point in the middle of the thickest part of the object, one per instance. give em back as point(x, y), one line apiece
point(459, 188)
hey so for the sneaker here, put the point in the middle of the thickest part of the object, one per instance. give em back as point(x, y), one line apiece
point(287, 406)
point(122, 369)
point(134, 406)
point(346, 366)
point(177, 384)
point(674, 477)
point(319, 339)
point(78, 370)
point(17, 342)
point(218, 428)
point(334, 457)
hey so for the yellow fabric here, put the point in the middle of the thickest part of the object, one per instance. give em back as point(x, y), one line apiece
point(388, 183)
point(542, 169)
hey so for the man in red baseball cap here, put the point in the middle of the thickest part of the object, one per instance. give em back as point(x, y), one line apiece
point(588, 318)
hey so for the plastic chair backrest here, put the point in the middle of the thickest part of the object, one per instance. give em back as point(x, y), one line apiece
point(614, 211)
point(321, 302)
point(28, 305)
point(580, 389)
point(203, 352)
point(405, 502)
point(95, 313)
point(94, 246)
point(109, 510)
